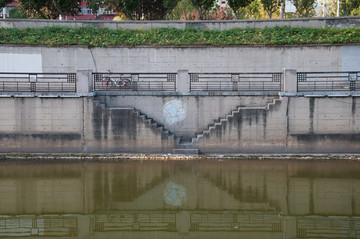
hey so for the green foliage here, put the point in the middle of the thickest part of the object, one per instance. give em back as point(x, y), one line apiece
point(16, 12)
point(238, 6)
point(155, 9)
point(355, 12)
point(91, 37)
point(50, 8)
point(202, 6)
point(347, 6)
point(183, 8)
point(95, 5)
point(127, 7)
point(270, 6)
point(305, 8)
point(3, 3)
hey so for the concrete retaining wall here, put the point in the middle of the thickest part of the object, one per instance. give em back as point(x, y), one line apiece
point(291, 125)
point(155, 122)
point(212, 25)
point(294, 124)
point(172, 59)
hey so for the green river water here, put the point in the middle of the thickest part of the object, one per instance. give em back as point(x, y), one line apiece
point(214, 198)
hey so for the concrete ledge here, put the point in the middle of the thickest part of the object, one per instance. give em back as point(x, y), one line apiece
point(320, 94)
point(40, 95)
point(211, 25)
point(158, 93)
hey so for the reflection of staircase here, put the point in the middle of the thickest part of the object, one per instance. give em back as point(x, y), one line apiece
point(223, 120)
point(148, 121)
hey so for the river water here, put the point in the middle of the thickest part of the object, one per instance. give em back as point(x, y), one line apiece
point(180, 199)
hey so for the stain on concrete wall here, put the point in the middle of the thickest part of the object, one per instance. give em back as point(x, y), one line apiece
point(174, 111)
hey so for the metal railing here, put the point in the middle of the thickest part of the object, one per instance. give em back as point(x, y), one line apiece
point(235, 81)
point(328, 81)
point(134, 82)
point(37, 82)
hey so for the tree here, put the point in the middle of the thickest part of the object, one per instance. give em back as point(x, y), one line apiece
point(182, 9)
point(63, 7)
point(355, 12)
point(50, 8)
point(34, 7)
point(155, 9)
point(128, 7)
point(16, 12)
point(346, 6)
point(236, 5)
point(270, 6)
point(202, 6)
point(169, 6)
point(94, 5)
point(3, 3)
point(304, 7)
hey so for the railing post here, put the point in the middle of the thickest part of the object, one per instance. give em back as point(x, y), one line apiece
point(183, 81)
point(84, 82)
point(289, 81)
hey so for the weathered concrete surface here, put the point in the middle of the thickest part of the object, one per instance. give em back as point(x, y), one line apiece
point(316, 125)
point(186, 115)
point(194, 60)
point(218, 25)
point(113, 124)
point(123, 130)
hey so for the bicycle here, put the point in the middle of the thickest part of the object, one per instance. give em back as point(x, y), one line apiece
point(121, 82)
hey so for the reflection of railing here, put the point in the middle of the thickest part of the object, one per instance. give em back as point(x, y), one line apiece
point(328, 81)
point(134, 82)
point(235, 82)
point(136, 221)
point(38, 82)
point(34, 226)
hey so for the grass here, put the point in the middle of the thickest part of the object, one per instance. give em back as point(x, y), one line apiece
point(91, 37)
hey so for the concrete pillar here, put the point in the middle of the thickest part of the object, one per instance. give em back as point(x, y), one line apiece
point(84, 82)
point(183, 222)
point(289, 227)
point(290, 81)
point(183, 81)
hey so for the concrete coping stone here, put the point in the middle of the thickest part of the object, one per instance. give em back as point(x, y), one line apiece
point(144, 93)
point(320, 94)
point(315, 95)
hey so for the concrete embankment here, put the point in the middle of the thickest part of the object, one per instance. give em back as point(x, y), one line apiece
point(92, 120)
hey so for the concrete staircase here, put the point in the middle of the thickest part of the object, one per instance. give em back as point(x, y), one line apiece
point(148, 121)
point(186, 147)
point(223, 120)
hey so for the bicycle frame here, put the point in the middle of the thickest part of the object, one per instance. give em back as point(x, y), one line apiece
point(121, 83)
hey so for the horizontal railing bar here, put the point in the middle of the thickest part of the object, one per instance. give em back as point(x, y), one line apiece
point(234, 73)
point(128, 73)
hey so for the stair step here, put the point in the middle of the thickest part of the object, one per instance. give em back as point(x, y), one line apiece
point(186, 151)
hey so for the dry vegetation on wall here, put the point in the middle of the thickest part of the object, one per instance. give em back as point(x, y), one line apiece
point(91, 37)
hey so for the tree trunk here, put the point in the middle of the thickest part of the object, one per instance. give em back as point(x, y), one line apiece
point(200, 14)
point(282, 9)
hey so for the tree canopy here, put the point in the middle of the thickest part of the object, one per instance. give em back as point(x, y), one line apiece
point(304, 7)
point(347, 6)
point(270, 6)
point(4, 2)
point(50, 8)
point(202, 6)
point(238, 6)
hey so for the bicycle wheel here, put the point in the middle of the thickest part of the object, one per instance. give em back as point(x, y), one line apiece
point(107, 83)
point(125, 84)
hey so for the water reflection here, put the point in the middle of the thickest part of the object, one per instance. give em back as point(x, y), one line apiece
point(180, 199)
